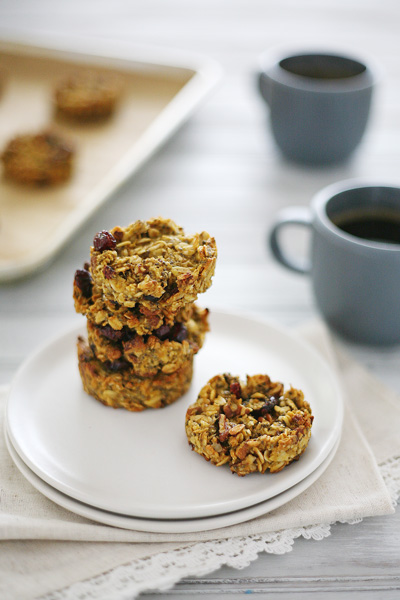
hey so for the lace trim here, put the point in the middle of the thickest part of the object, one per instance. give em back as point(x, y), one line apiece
point(390, 471)
point(162, 571)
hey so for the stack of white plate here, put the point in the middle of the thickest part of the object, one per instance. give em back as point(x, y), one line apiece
point(136, 470)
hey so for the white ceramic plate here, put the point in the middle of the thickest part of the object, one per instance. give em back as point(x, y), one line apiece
point(139, 464)
point(168, 525)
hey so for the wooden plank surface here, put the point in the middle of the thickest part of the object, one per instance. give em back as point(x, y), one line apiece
point(222, 172)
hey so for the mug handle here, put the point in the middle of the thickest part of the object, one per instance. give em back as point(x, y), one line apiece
point(298, 215)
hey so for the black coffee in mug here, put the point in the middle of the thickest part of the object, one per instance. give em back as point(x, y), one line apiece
point(322, 66)
point(378, 224)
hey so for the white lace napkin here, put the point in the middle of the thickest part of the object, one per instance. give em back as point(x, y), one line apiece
point(36, 559)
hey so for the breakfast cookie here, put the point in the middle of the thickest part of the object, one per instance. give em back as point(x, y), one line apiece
point(252, 426)
point(2, 80)
point(89, 301)
point(153, 263)
point(89, 96)
point(115, 385)
point(40, 159)
point(165, 350)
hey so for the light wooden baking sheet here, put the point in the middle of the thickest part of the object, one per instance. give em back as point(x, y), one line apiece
point(159, 93)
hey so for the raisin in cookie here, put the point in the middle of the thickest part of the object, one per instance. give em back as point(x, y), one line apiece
point(252, 426)
point(114, 384)
point(153, 264)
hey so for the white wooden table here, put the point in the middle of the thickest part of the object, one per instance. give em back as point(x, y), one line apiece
point(222, 173)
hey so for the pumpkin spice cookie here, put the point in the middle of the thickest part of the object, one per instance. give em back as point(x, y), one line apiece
point(90, 302)
point(41, 159)
point(253, 427)
point(89, 96)
point(2, 80)
point(114, 384)
point(165, 350)
point(153, 264)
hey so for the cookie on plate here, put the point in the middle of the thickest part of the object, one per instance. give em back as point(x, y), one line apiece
point(253, 427)
point(88, 96)
point(40, 159)
point(114, 384)
point(153, 264)
point(165, 350)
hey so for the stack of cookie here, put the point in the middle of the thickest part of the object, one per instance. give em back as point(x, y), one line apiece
point(138, 295)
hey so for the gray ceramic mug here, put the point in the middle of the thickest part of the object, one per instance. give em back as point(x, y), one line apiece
point(354, 260)
point(319, 103)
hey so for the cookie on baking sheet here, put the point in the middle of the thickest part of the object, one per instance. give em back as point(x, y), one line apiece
point(153, 264)
point(115, 385)
point(253, 427)
point(44, 158)
point(90, 302)
point(87, 96)
point(165, 350)
point(3, 77)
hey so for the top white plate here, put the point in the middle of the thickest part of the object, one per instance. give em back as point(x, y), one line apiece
point(140, 464)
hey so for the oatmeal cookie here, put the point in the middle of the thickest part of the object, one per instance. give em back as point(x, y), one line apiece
point(2, 80)
point(90, 302)
point(253, 427)
point(40, 159)
point(122, 389)
point(89, 96)
point(165, 350)
point(153, 263)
